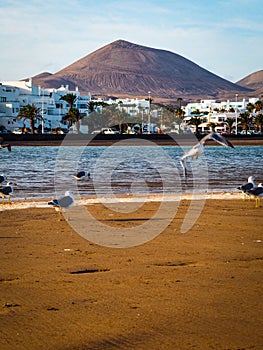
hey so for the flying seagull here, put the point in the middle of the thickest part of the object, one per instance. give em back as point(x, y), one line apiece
point(63, 203)
point(82, 175)
point(4, 145)
point(247, 186)
point(257, 193)
point(6, 192)
point(198, 149)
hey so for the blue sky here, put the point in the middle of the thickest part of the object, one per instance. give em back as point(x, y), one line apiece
point(222, 36)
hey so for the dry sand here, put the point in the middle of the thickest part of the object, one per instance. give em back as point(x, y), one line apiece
point(198, 290)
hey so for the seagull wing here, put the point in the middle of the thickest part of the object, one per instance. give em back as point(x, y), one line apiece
point(220, 139)
point(248, 186)
point(81, 173)
point(256, 191)
point(65, 202)
point(6, 190)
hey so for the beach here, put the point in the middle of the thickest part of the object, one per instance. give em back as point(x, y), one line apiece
point(201, 289)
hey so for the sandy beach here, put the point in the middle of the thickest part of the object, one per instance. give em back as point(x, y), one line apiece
point(197, 290)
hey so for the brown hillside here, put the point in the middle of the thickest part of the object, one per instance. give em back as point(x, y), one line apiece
point(253, 81)
point(123, 68)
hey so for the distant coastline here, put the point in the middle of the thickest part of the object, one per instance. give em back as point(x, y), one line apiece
point(107, 140)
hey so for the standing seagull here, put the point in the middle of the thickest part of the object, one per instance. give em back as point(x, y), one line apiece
point(6, 192)
point(248, 186)
point(198, 149)
point(82, 175)
point(4, 145)
point(257, 193)
point(63, 203)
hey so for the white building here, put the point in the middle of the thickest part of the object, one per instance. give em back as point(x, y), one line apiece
point(208, 112)
point(132, 106)
point(208, 106)
point(17, 94)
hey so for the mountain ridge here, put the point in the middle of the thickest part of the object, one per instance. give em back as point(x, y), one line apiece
point(253, 81)
point(123, 69)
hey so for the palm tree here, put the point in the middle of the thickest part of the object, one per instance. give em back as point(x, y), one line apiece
point(179, 112)
point(91, 106)
point(70, 99)
point(250, 107)
point(258, 106)
point(230, 122)
point(74, 116)
point(245, 120)
point(196, 121)
point(196, 112)
point(259, 121)
point(118, 117)
point(212, 125)
point(179, 100)
point(31, 112)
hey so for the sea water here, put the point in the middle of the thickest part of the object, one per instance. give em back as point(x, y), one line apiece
point(43, 171)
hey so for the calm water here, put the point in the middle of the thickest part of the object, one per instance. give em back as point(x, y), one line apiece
point(41, 172)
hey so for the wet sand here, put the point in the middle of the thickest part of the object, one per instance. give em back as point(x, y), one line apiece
point(197, 290)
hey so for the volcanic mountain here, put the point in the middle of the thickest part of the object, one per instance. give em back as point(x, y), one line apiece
point(253, 81)
point(125, 69)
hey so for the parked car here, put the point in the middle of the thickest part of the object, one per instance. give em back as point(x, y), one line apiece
point(243, 132)
point(18, 131)
point(107, 131)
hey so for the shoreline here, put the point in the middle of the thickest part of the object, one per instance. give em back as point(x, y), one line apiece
point(130, 140)
point(17, 204)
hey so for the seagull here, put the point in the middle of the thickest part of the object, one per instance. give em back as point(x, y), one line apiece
point(248, 186)
point(4, 145)
point(198, 149)
point(257, 193)
point(82, 175)
point(7, 191)
point(63, 203)
point(2, 179)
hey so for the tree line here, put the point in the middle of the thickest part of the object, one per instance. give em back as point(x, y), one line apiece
point(103, 115)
